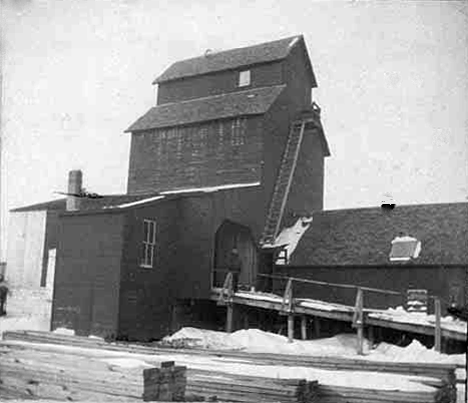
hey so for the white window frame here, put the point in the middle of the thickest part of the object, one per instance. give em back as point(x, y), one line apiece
point(244, 78)
point(149, 244)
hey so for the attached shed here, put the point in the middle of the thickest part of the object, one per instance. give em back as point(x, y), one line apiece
point(354, 246)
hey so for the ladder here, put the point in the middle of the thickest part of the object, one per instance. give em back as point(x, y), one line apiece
point(283, 183)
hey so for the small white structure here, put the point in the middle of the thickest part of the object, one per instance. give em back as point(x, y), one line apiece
point(405, 248)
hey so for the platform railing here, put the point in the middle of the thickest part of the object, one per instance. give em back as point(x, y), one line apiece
point(359, 316)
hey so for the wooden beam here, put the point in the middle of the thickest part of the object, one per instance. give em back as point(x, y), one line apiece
point(438, 333)
point(345, 316)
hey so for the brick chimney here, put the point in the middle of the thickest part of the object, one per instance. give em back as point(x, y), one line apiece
point(75, 180)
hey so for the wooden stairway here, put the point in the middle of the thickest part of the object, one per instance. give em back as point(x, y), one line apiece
point(283, 183)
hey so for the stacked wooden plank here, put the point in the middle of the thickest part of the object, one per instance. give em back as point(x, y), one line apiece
point(440, 376)
point(31, 373)
point(337, 394)
point(237, 388)
point(445, 372)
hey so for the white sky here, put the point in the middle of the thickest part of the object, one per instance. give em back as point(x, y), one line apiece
point(391, 75)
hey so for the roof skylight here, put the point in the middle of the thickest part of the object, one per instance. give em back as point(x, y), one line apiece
point(405, 248)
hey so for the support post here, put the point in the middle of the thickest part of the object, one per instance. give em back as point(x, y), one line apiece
point(316, 323)
point(438, 330)
point(290, 327)
point(358, 320)
point(371, 335)
point(229, 316)
point(304, 327)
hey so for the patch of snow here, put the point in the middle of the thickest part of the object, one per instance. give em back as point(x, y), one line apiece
point(27, 309)
point(293, 42)
point(136, 203)
point(414, 352)
point(211, 188)
point(127, 362)
point(64, 331)
point(291, 236)
point(399, 314)
point(96, 338)
point(324, 306)
point(258, 341)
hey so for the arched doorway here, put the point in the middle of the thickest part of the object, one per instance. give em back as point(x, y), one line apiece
point(232, 235)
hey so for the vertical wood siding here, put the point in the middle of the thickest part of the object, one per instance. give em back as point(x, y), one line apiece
point(87, 278)
point(147, 293)
point(25, 248)
point(221, 82)
point(208, 154)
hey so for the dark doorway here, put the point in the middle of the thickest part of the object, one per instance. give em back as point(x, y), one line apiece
point(232, 235)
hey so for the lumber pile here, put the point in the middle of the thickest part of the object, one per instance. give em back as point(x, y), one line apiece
point(337, 394)
point(444, 372)
point(229, 387)
point(32, 374)
point(237, 388)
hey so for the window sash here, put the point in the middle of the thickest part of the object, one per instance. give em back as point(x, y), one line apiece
point(244, 78)
point(149, 243)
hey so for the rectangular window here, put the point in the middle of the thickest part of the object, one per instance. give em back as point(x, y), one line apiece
point(244, 78)
point(149, 243)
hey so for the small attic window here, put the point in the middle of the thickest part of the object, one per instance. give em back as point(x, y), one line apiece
point(244, 78)
point(405, 248)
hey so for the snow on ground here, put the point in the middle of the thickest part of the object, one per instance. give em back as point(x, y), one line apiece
point(258, 341)
point(27, 309)
point(64, 331)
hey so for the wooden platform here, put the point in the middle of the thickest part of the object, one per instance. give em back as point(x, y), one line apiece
point(338, 312)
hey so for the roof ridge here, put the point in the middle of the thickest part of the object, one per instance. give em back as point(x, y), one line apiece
point(242, 47)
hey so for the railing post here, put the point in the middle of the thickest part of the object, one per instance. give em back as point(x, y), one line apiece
point(438, 330)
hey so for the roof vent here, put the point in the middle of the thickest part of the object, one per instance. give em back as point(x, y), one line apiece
point(405, 248)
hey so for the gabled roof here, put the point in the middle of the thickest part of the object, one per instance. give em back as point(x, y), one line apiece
point(255, 101)
point(364, 236)
point(231, 59)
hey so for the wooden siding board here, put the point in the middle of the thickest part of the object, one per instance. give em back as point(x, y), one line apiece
point(147, 294)
point(87, 279)
point(51, 241)
point(26, 248)
point(218, 83)
point(306, 192)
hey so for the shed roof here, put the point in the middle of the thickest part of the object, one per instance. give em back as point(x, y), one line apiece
point(232, 59)
point(255, 101)
point(363, 236)
point(106, 201)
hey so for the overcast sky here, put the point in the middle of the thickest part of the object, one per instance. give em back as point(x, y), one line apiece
point(391, 75)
